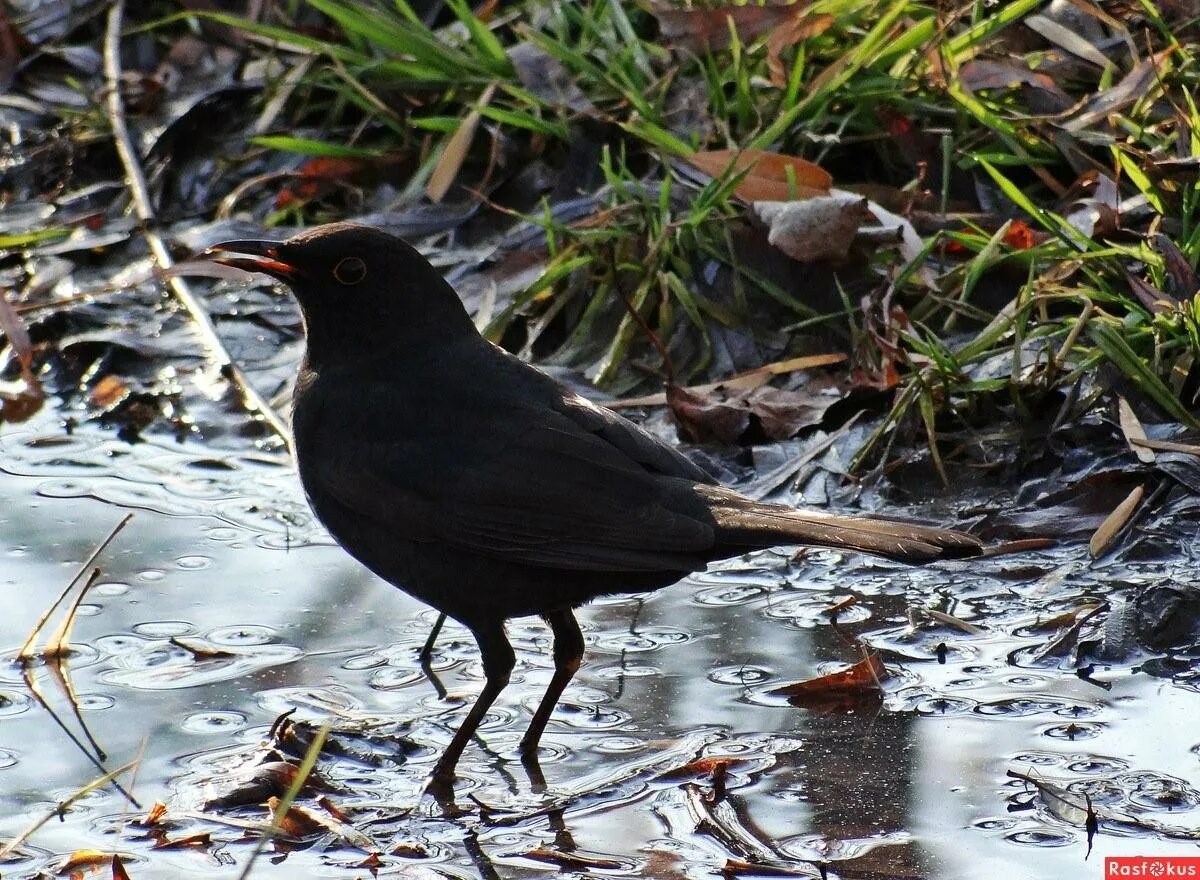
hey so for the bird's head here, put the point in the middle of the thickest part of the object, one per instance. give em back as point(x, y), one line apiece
point(362, 291)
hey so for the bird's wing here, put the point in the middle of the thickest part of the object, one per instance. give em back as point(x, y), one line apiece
point(550, 483)
point(632, 440)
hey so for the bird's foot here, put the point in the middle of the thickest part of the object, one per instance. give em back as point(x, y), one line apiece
point(441, 787)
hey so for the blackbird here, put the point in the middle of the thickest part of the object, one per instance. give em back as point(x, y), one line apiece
point(483, 487)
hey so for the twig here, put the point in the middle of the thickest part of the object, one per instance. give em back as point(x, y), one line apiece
point(140, 193)
point(26, 652)
point(62, 805)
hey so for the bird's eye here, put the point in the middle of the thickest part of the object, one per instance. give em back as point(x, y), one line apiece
point(350, 270)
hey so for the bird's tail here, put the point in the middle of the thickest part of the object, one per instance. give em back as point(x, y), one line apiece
point(754, 524)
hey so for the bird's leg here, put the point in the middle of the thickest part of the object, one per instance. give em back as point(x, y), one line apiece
point(498, 662)
point(568, 653)
point(427, 649)
point(426, 656)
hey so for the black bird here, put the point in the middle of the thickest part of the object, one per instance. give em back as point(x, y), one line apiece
point(483, 487)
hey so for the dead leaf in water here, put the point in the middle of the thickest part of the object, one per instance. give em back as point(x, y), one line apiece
point(863, 680)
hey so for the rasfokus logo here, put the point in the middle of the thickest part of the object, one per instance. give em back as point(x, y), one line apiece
point(1153, 867)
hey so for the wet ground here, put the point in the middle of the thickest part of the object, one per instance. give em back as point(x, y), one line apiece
point(221, 606)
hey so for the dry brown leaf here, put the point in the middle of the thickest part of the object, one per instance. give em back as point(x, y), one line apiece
point(814, 229)
point(1133, 431)
point(749, 416)
point(983, 73)
point(155, 814)
point(789, 33)
point(455, 153)
point(863, 679)
point(749, 380)
point(709, 30)
point(738, 867)
point(200, 840)
point(297, 822)
point(704, 420)
point(1114, 522)
point(118, 869)
point(108, 392)
point(83, 859)
point(772, 177)
point(20, 401)
point(705, 766)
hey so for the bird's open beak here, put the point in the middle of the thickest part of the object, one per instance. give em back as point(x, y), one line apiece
point(253, 256)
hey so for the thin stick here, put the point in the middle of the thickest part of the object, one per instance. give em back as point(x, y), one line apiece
point(62, 805)
point(26, 651)
point(145, 212)
point(31, 683)
point(59, 644)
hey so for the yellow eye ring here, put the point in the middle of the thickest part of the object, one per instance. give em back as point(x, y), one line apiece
point(349, 271)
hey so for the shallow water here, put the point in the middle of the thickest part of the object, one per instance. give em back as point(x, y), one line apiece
point(222, 556)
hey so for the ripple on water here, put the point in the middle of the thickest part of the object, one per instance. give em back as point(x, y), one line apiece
point(1041, 837)
point(242, 635)
point(648, 639)
point(740, 675)
point(160, 665)
point(213, 722)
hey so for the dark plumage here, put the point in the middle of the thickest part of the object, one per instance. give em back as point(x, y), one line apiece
point(483, 487)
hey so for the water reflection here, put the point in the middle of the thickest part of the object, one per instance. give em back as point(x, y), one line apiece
point(224, 606)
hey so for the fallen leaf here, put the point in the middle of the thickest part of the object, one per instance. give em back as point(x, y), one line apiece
point(298, 822)
point(108, 392)
point(708, 30)
point(982, 73)
point(82, 859)
point(20, 401)
point(1132, 428)
point(821, 228)
point(702, 420)
point(1182, 282)
point(154, 816)
point(748, 380)
point(772, 177)
point(1115, 522)
point(705, 766)
point(795, 30)
point(751, 416)
point(200, 840)
point(118, 869)
point(862, 680)
point(455, 153)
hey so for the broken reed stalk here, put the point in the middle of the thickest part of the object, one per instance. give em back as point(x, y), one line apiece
point(62, 806)
point(61, 634)
point(144, 208)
